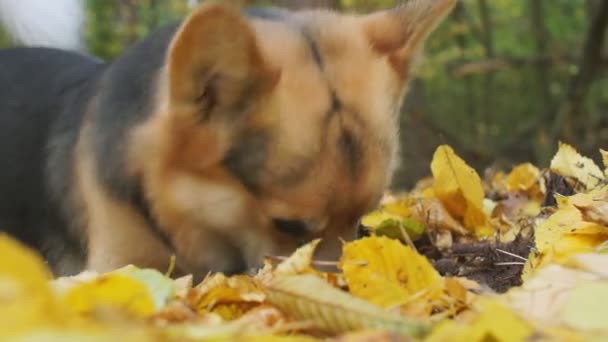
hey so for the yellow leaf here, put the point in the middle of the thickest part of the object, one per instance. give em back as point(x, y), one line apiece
point(376, 218)
point(115, 291)
point(387, 273)
point(161, 287)
point(299, 261)
point(459, 188)
point(569, 163)
point(490, 321)
point(385, 222)
point(587, 307)
point(309, 298)
point(565, 233)
point(525, 178)
point(605, 160)
point(26, 297)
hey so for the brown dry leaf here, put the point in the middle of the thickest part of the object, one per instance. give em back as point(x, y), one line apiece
point(310, 298)
point(459, 188)
point(461, 293)
point(435, 216)
point(516, 207)
point(593, 209)
point(183, 285)
point(229, 297)
point(569, 163)
point(525, 178)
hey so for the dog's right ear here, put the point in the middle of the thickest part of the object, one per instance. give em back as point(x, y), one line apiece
point(214, 65)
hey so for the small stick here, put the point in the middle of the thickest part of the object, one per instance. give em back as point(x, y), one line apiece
point(514, 263)
point(511, 254)
point(313, 262)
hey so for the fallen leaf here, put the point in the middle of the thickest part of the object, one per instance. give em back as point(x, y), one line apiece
point(558, 300)
point(299, 261)
point(161, 288)
point(387, 273)
point(525, 178)
point(569, 163)
point(114, 291)
point(229, 297)
point(385, 223)
point(490, 320)
point(26, 297)
point(586, 308)
point(310, 298)
point(590, 262)
point(435, 216)
point(565, 233)
point(605, 160)
point(593, 209)
point(459, 188)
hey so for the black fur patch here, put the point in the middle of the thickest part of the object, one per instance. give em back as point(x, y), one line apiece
point(43, 93)
point(247, 158)
point(314, 49)
point(351, 151)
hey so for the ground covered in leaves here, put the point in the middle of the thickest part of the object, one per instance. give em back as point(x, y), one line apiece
point(514, 256)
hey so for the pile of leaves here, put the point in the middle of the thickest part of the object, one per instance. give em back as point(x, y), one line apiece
point(509, 257)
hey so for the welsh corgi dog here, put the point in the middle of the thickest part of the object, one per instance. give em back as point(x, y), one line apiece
point(233, 135)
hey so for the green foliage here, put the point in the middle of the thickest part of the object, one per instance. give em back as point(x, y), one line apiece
point(112, 26)
point(3, 39)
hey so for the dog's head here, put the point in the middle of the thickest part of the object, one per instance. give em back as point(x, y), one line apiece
point(277, 127)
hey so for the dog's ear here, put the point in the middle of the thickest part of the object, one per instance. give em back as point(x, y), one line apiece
point(214, 64)
point(400, 32)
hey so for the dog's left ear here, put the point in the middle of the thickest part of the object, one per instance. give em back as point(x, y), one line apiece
point(400, 32)
point(214, 64)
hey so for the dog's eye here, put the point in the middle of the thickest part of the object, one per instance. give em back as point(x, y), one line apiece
point(294, 228)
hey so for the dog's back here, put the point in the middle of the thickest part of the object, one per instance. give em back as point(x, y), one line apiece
point(34, 84)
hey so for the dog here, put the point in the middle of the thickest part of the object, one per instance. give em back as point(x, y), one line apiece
point(235, 134)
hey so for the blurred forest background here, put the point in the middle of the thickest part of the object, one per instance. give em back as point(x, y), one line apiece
point(502, 81)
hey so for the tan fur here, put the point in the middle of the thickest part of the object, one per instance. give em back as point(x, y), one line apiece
point(210, 216)
point(117, 234)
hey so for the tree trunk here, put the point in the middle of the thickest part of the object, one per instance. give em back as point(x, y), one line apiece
point(542, 146)
point(487, 107)
point(581, 82)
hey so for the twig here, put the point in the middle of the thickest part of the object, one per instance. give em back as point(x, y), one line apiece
point(511, 254)
point(512, 263)
point(315, 262)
